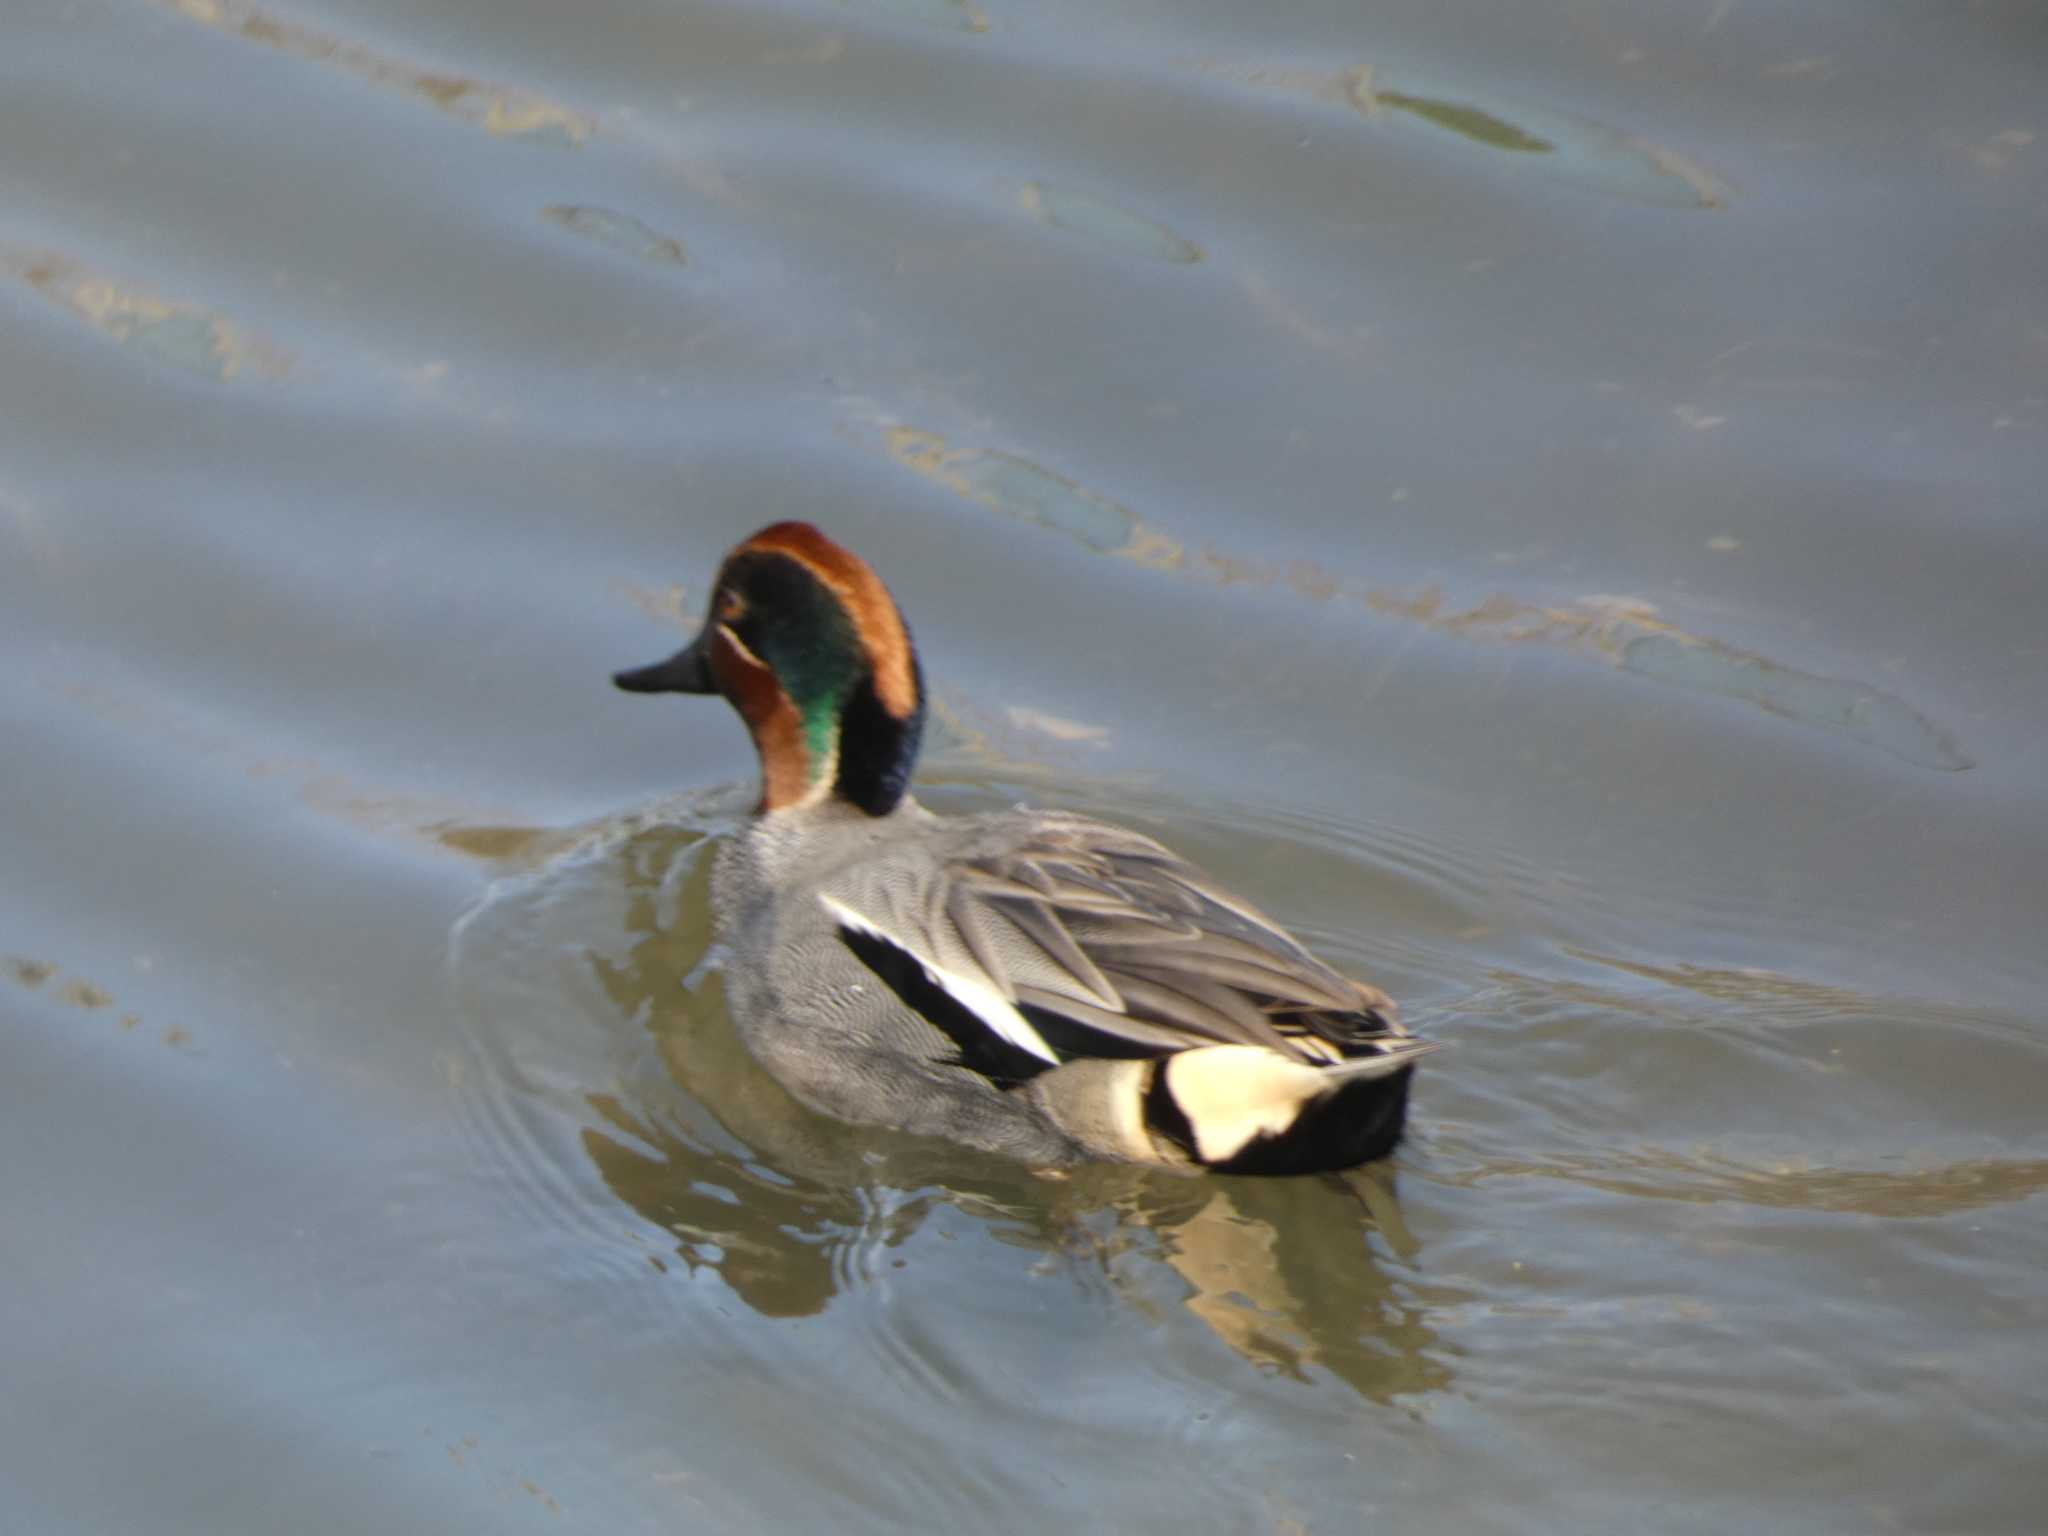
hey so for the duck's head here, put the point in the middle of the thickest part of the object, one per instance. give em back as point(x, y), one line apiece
point(809, 647)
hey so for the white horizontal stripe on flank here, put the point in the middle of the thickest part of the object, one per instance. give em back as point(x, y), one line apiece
point(977, 997)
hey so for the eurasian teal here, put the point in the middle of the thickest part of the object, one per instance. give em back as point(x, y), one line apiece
point(1028, 982)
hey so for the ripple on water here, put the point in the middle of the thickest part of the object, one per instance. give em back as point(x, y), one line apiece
point(1594, 1097)
point(599, 1045)
point(1626, 633)
point(619, 232)
point(1697, 1084)
point(163, 330)
point(1562, 145)
point(1610, 1131)
point(1559, 146)
point(1105, 223)
point(503, 111)
point(1859, 711)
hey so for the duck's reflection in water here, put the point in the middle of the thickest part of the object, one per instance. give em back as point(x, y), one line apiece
point(1295, 1275)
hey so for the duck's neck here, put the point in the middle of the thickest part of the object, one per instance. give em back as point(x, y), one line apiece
point(850, 749)
point(874, 750)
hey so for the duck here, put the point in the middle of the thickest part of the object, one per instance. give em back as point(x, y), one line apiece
point(1034, 983)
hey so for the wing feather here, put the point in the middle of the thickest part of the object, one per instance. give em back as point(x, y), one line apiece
point(1068, 938)
point(1072, 972)
point(968, 918)
point(1225, 1013)
point(1147, 1039)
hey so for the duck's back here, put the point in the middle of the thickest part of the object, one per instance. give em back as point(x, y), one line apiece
point(1018, 979)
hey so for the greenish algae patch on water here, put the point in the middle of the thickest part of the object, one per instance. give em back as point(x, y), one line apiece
point(84, 994)
point(1700, 1177)
point(503, 111)
point(1626, 632)
point(183, 335)
point(1474, 123)
point(1480, 127)
point(29, 973)
point(1560, 146)
point(1018, 488)
point(1855, 709)
point(619, 232)
point(1104, 223)
point(1630, 634)
point(1565, 147)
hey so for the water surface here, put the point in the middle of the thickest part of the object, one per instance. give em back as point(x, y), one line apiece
point(1547, 502)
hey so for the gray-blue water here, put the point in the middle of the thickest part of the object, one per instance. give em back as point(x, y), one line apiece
point(1548, 500)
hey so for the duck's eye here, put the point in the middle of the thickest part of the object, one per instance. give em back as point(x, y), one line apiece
point(731, 607)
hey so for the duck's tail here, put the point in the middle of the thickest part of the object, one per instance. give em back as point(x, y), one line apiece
point(1249, 1109)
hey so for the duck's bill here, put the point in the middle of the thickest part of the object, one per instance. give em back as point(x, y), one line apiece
point(688, 671)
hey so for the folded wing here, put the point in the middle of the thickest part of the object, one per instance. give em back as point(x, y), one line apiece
point(1063, 939)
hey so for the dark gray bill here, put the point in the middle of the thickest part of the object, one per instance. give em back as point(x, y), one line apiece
point(688, 671)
